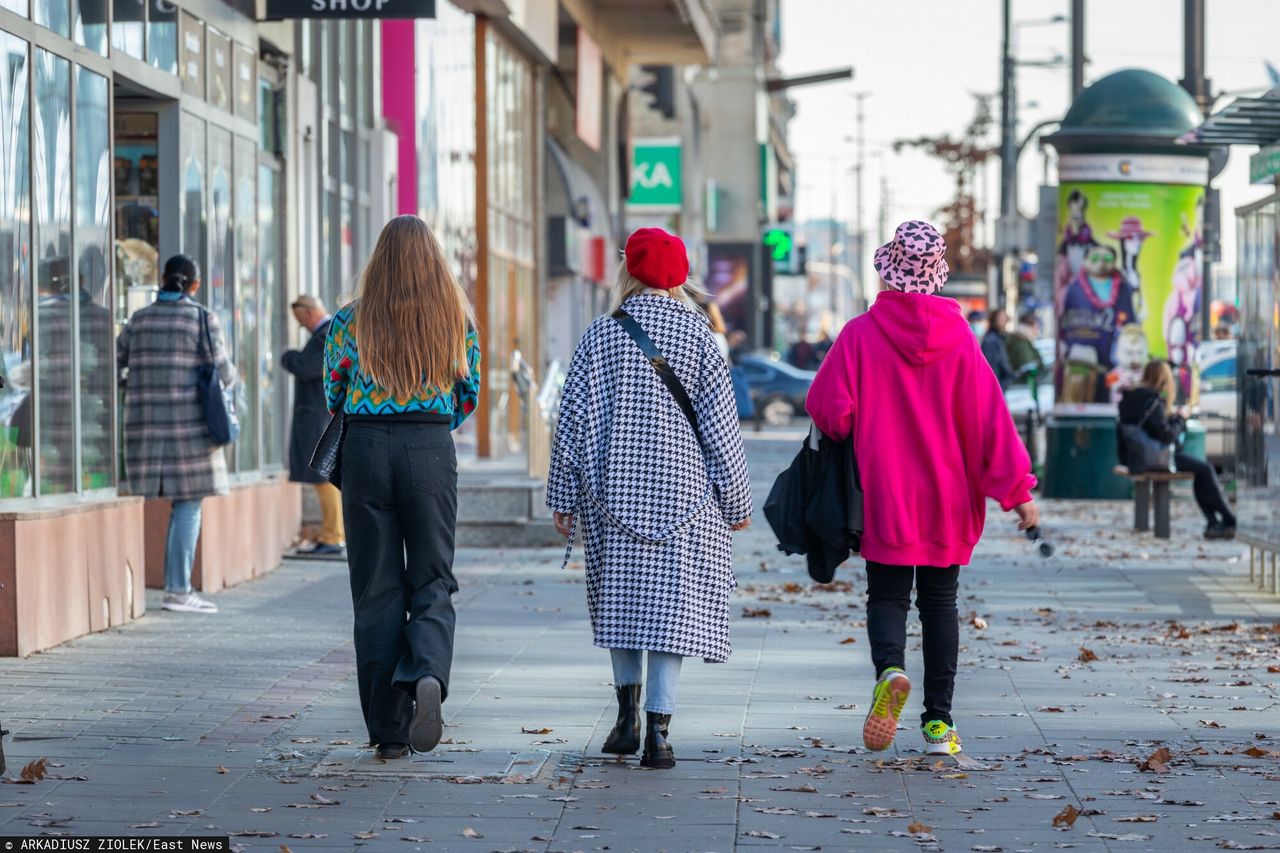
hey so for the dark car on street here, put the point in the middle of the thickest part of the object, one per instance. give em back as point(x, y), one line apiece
point(777, 388)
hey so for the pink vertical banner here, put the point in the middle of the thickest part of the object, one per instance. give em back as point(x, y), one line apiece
point(399, 106)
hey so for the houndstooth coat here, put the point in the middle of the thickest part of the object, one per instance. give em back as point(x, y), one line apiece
point(167, 450)
point(654, 510)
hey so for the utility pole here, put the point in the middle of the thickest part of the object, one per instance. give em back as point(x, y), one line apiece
point(1077, 49)
point(1197, 84)
point(859, 234)
point(1008, 153)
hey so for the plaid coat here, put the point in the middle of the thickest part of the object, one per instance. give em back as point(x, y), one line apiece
point(167, 451)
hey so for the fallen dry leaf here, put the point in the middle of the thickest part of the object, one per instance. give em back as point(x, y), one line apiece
point(757, 613)
point(526, 730)
point(325, 801)
point(365, 836)
point(848, 640)
point(1087, 655)
point(1212, 724)
point(1157, 762)
point(308, 835)
point(760, 833)
point(222, 769)
point(918, 827)
point(262, 810)
point(151, 824)
point(34, 771)
point(471, 833)
point(1138, 818)
point(1066, 817)
point(254, 833)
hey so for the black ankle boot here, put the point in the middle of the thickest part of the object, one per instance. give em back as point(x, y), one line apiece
point(625, 737)
point(657, 751)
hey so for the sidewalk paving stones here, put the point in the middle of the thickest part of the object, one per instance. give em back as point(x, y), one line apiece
point(1074, 672)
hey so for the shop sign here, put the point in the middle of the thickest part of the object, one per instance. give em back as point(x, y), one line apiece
point(191, 55)
point(590, 93)
point(279, 10)
point(1265, 165)
point(655, 174)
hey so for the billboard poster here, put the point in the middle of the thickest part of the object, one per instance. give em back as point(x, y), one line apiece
point(1127, 282)
point(728, 282)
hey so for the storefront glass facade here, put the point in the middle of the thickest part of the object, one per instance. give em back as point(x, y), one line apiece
point(510, 317)
point(82, 208)
point(1258, 464)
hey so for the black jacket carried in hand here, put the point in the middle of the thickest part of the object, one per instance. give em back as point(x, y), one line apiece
point(310, 412)
point(1142, 402)
point(815, 506)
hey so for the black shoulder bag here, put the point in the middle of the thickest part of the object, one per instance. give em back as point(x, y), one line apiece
point(661, 367)
point(1142, 451)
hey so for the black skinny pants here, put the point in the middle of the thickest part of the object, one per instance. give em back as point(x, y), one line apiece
point(889, 599)
point(399, 502)
point(1208, 493)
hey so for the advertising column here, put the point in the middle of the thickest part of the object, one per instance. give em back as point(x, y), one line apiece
point(1128, 270)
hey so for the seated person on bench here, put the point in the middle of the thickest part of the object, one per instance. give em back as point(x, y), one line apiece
point(1164, 425)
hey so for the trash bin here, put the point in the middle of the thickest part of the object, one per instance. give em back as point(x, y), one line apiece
point(1079, 455)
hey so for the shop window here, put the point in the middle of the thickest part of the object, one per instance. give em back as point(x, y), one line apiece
point(162, 36)
point(191, 202)
point(89, 24)
point(18, 7)
point(246, 83)
point(248, 304)
point(93, 291)
point(219, 73)
point(55, 298)
point(54, 14)
point(191, 54)
point(128, 26)
point(15, 274)
point(272, 390)
point(218, 284)
point(136, 175)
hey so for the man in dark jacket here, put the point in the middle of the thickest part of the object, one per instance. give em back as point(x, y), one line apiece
point(993, 348)
point(310, 416)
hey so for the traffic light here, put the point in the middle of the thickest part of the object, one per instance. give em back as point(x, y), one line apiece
point(662, 89)
point(779, 244)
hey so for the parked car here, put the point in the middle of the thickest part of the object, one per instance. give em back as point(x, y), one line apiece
point(777, 388)
point(1219, 400)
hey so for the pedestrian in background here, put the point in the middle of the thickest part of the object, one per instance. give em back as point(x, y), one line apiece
point(310, 416)
point(1021, 348)
point(994, 350)
point(907, 382)
point(404, 365)
point(656, 487)
point(167, 449)
point(1151, 406)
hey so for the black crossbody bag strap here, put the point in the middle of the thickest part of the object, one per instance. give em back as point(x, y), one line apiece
point(661, 367)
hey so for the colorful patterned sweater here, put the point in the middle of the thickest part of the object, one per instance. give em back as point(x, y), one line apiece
point(366, 397)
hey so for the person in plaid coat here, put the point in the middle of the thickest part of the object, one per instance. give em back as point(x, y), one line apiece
point(655, 504)
point(167, 449)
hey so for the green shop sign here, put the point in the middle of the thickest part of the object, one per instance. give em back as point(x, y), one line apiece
point(655, 175)
point(1264, 165)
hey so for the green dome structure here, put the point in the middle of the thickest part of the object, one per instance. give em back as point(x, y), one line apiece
point(1135, 108)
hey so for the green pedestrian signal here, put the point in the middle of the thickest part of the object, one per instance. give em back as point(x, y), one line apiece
point(779, 242)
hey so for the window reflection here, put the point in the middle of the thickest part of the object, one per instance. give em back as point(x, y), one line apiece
point(247, 304)
point(271, 390)
point(55, 297)
point(15, 287)
point(162, 35)
point(93, 294)
point(218, 286)
point(127, 24)
point(89, 26)
point(54, 14)
point(193, 179)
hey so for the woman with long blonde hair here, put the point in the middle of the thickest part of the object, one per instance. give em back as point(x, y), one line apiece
point(1151, 406)
point(403, 365)
point(648, 464)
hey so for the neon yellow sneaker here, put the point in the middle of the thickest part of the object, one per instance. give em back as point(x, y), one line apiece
point(940, 738)
point(887, 702)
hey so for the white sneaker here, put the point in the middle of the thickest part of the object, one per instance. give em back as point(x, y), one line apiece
point(188, 602)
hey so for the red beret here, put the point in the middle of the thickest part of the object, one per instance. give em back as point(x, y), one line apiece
point(657, 258)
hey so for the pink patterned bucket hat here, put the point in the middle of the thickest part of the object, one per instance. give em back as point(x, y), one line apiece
point(914, 261)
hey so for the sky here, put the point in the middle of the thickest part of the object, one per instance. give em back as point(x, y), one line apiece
point(921, 62)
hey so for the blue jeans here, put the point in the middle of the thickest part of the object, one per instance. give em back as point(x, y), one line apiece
point(664, 674)
point(180, 547)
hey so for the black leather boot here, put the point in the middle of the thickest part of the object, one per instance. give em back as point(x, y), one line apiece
point(657, 751)
point(625, 737)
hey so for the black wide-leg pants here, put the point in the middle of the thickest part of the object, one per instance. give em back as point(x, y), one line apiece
point(400, 503)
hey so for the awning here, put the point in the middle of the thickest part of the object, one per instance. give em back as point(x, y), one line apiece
point(1245, 121)
point(574, 199)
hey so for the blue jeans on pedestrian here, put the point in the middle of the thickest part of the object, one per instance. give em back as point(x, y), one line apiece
point(664, 674)
point(180, 547)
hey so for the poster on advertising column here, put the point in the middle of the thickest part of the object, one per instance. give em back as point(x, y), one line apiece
point(1128, 271)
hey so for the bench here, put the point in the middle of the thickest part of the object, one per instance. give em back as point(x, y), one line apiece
point(1147, 485)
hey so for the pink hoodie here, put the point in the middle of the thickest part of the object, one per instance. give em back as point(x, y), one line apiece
point(933, 435)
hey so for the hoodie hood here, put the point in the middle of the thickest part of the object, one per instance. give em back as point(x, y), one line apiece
point(921, 328)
